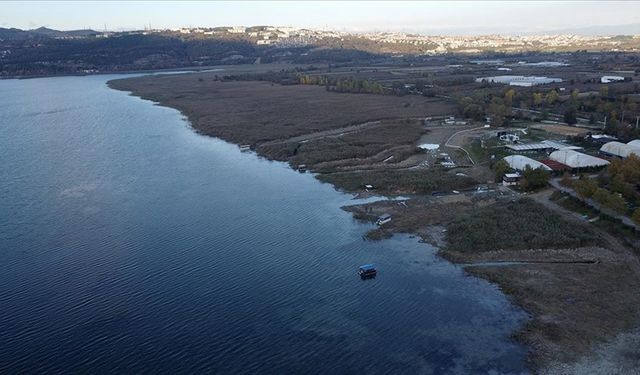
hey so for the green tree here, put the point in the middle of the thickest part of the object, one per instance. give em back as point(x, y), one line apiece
point(500, 168)
point(474, 111)
point(585, 187)
point(498, 112)
point(508, 97)
point(575, 94)
point(552, 97)
point(545, 114)
point(617, 203)
point(566, 180)
point(570, 116)
point(533, 179)
point(537, 98)
point(601, 196)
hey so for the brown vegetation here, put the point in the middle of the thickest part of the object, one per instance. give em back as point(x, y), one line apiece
point(519, 225)
point(349, 147)
point(393, 182)
point(253, 112)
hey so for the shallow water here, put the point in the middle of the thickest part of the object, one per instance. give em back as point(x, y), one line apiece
point(130, 243)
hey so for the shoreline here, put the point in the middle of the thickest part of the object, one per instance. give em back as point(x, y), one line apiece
point(565, 290)
point(186, 69)
point(542, 355)
point(149, 71)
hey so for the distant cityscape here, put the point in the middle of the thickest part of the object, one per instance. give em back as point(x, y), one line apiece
point(286, 37)
point(283, 36)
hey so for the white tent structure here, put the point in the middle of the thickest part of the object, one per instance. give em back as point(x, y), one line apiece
point(574, 159)
point(619, 149)
point(520, 163)
point(634, 143)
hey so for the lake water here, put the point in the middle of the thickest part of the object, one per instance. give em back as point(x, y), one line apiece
point(130, 243)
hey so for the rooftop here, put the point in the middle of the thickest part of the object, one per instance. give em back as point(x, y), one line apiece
point(542, 146)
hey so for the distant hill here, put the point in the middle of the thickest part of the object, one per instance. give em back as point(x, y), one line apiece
point(45, 51)
point(43, 32)
point(63, 34)
point(13, 34)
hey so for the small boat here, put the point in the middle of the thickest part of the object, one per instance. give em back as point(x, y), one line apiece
point(302, 168)
point(245, 148)
point(367, 270)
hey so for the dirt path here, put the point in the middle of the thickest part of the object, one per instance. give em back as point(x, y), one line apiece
point(449, 143)
point(590, 202)
point(325, 133)
point(372, 162)
point(543, 198)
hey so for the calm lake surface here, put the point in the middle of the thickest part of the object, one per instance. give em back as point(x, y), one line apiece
point(130, 243)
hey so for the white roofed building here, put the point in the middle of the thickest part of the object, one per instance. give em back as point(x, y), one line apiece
point(574, 159)
point(620, 149)
point(520, 163)
point(609, 79)
point(515, 80)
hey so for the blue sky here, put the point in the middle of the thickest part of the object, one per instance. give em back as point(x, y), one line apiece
point(413, 16)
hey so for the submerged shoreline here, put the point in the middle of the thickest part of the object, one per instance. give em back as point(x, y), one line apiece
point(536, 334)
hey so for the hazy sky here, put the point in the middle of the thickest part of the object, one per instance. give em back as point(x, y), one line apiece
point(417, 16)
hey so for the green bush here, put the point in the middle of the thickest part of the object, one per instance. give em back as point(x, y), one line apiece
point(519, 225)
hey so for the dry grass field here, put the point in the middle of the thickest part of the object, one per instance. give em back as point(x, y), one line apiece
point(254, 112)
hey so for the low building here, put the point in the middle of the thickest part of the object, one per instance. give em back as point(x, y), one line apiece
point(577, 160)
point(546, 145)
point(611, 79)
point(602, 138)
point(386, 218)
point(511, 179)
point(520, 163)
point(634, 143)
point(555, 166)
point(509, 137)
point(526, 81)
point(620, 150)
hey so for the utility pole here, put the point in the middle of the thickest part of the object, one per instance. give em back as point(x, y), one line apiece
point(637, 118)
point(605, 123)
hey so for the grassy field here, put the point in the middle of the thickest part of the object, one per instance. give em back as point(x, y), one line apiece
point(519, 225)
point(253, 112)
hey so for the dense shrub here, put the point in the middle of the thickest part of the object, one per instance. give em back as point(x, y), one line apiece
point(533, 179)
point(519, 225)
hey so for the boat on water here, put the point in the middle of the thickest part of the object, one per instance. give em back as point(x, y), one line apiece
point(367, 270)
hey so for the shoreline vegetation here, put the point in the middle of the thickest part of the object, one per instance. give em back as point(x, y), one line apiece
point(577, 281)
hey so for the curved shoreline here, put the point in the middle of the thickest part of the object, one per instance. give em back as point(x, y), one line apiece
point(543, 355)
